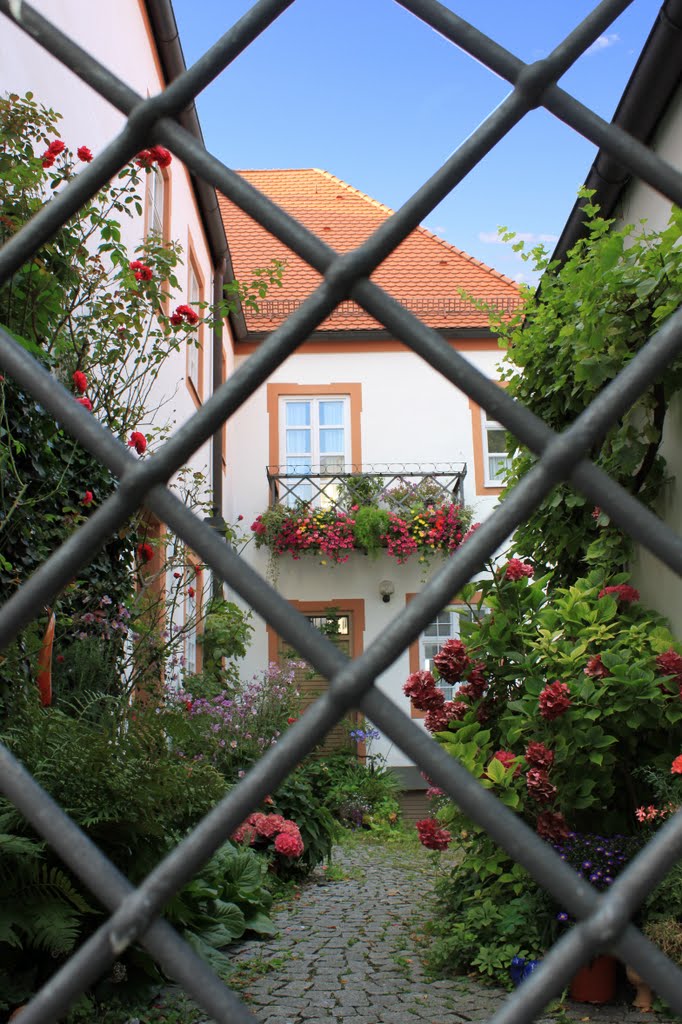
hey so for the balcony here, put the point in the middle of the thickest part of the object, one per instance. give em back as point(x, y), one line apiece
point(396, 487)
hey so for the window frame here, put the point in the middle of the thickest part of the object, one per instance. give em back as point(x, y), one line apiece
point(194, 362)
point(487, 425)
point(315, 428)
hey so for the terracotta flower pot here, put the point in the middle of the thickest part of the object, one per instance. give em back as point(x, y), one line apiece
point(596, 982)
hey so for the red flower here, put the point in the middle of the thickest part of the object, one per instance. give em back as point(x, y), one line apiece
point(48, 160)
point(176, 319)
point(670, 664)
point(554, 700)
point(288, 845)
point(145, 552)
point(60, 658)
point(596, 512)
point(84, 154)
point(188, 705)
point(187, 313)
point(539, 786)
point(595, 668)
point(515, 569)
point(432, 836)
point(539, 756)
point(552, 826)
point(142, 271)
point(623, 593)
point(85, 402)
point(239, 518)
point(476, 683)
point(56, 147)
point(160, 155)
point(470, 532)
point(190, 591)
point(87, 498)
point(507, 758)
point(676, 766)
point(144, 158)
point(452, 661)
point(290, 721)
point(138, 441)
point(80, 381)
point(421, 688)
point(177, 575)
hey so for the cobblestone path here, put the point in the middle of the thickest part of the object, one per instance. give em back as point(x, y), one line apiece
point(347, 951)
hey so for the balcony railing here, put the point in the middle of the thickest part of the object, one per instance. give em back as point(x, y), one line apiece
point(395, 486)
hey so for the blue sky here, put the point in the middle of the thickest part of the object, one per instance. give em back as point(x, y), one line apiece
point(363, 89)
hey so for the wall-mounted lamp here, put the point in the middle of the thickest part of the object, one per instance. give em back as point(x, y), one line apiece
point(386, 589)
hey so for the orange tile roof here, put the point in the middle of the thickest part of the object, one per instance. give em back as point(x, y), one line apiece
point(424, 273)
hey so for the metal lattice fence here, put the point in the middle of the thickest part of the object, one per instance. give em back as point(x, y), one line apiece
point(603, 920)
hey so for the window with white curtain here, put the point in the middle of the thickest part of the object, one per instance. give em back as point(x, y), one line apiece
point(156, 188)
point(496, 460)
point(446, 626)
point(193, 361)
point(314, 439)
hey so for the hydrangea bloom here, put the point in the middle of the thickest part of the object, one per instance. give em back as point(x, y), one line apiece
point(554, 700)
point(425, 695)
point(596, 669)
point(539, 756)
point(432, 836)
point(623, 593)
point(539, 786)
point(515, 569)
point(452, 661)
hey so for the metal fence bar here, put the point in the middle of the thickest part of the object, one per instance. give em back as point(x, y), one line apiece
point(352, 683)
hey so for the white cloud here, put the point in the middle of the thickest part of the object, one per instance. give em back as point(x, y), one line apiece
point(531, 237)
point(603, 43)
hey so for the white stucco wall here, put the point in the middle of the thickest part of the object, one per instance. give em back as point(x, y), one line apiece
point(410, 414)
point(660, 588)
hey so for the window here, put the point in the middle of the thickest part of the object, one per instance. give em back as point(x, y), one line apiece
point(314, 440)
point(496, 460)
point(446, 626)
point(156, 194)
point(191, 629)
point(195, 354)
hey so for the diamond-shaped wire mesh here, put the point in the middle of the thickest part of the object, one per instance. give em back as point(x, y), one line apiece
point(604, 921)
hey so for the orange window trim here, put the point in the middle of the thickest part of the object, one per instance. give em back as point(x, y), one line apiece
point(414, 648)
point(477, 438)
point(197, 392)
point(196, 579)
point(277, 391)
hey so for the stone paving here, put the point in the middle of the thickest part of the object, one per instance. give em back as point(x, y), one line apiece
point(348, 950)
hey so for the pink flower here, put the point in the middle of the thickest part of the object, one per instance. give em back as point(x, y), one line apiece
point(623, 593)
point(515, 569)
point(432, 836)
point(595, 668)
point(138, 441)
point(676, 766)
point(421, 688)
point(452, 661)
point(288, 845)
point(80, 381)
point(554, 700)
point(269, 825)
point(539, 756)
point(85, 402)
point(539, 786)
point(84, 154)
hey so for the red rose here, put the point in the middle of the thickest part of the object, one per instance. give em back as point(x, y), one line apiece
point(239, 518)
point(145, 552)
point(142, 271)
point(138, 441)
point(85, 402)
point(188, 705)
point(595, 668)
point(87, 498)
point(552, 826)
point(48, 160)
point(80, 381)
point(186, 313)
point(623, 593)
point(190, 591)
point(177, 575)
point(176, 319)
point(60, 658)
point(539, 786)
point(515, 569)
point(160, 155)
point(539, 756)
point(290, 721)
point(554, 700)
point(84, 154)
point(144, 158)
point(452, 661)
point(421, 688)
point(432, 836)
point(676, 766)
point(56, 147)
